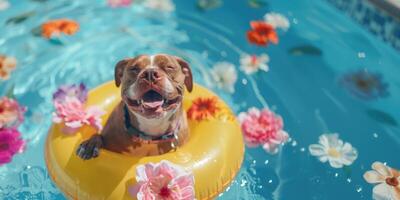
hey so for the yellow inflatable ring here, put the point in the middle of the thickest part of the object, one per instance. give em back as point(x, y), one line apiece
point(214, 153)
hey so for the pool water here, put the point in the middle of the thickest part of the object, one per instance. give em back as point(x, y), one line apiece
point(310, 83)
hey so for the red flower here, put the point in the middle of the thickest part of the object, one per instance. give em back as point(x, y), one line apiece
point(203, 108)
point(262, 33)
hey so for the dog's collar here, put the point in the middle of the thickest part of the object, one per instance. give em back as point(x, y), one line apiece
point(134, 132)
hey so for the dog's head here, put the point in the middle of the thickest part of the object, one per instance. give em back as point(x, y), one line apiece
point(153, 86)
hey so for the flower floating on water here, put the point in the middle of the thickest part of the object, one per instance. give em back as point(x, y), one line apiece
point(11, 113)
point(10, 144)
point(69, 103)
point(203, 108)
point(387, 180)
point(73, 114)
point(277, 20)
point(4, 5)
point(250, 64)
point(71, 91)
point(54, 28)
point(263, 127)
point(334, 150)
point(365, 85)
point(262, 33)
point(161, 5)
point(119, 3)
point(225, 76)
point(7, 65)
point(163, 181)
point(208, 4)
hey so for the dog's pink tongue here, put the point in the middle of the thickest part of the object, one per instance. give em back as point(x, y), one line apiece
point(153, 104)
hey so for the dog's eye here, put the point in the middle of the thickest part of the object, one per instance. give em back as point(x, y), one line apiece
point(170, 68)
point(134, 69)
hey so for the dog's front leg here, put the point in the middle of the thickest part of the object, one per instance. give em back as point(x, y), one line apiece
point(90, 148)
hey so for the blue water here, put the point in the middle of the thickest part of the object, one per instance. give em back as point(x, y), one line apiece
point(304, 90)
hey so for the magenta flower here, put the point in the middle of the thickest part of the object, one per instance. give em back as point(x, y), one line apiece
point(11, 113)
point(71, 91)
point(163, 181)
point(119, 3)
point(263, 128)
point(10, 144)
point(73, 114)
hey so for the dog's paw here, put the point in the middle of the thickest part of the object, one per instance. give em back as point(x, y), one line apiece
point(90, 148)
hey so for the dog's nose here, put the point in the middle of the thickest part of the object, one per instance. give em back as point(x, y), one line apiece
point(151, 75)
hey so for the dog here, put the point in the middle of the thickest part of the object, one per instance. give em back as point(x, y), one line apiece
point(150, 119)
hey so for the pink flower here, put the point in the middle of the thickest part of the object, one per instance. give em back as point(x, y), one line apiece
point(11, 113)
point(10, 144)
point(263, 128)
point(73, 114)
point(163, 181)
point(119, 3)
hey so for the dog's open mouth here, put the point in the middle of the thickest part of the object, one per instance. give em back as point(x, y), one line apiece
point(152, 100)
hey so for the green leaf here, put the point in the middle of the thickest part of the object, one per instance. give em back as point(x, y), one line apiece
point(20, 18)
point(382, 117)
point(257, 3)
point(208, 4)
point(10, 92)
point(305, 50)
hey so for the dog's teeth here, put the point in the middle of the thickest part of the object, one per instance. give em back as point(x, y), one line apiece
point(141, 101)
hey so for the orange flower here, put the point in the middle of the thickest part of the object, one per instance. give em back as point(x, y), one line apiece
point(58, 26)
point(262, 33)
point(203, 108)
point(7, 65)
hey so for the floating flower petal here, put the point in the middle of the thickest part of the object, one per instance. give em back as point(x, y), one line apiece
point(4, 5)
point(119, 3)
point(163, 181)
point(225, 76)
point(54, 28)
point(10, 144)
point(11, 113)
point(262, 33)
point(71, 91)
point(73, 114)
point(365, 85)
point(161, 5)
point(277, 20)
point(263, 127)
point(7, 65)
point(386, 181)
point(334, 150)
point(250, 64)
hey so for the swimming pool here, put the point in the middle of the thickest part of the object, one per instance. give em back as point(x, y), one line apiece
point(327, 74)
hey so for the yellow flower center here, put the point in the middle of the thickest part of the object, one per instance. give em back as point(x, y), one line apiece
point(333, 153)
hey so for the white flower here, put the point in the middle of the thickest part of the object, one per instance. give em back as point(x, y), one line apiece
point(277, 20)
point(225, 76)
point(4, 4)
point(332, 149)
point(250, 64)
point(387, 180)
point(162, 5)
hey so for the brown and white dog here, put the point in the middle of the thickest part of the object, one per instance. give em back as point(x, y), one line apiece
point(150, 119)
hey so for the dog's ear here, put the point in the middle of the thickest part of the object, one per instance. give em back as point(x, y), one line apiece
point(188, 73)
point(119, 72)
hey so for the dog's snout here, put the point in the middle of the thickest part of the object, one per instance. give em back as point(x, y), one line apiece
point(151, 75)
